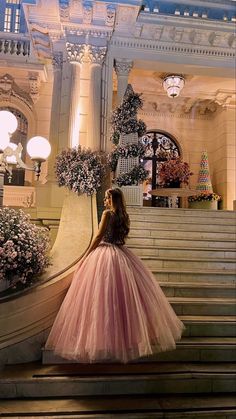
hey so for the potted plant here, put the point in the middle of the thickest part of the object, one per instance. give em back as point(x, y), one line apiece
point(80, 170)
point(173, 172)
point(204, 200)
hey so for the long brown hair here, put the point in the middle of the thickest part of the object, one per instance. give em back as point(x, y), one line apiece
point(119, 208)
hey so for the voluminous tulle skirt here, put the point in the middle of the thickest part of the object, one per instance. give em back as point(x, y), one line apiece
point(114, 310)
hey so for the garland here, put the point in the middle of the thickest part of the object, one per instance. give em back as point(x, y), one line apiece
point(204, 197)
point(136, 175)
point(131, 150)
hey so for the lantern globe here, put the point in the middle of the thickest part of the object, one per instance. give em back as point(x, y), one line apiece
point(38, 148)
point(8, 122)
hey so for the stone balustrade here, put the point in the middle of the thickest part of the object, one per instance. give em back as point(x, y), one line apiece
point(14, 44)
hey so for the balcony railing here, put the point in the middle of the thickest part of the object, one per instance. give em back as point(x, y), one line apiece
point(14, 44)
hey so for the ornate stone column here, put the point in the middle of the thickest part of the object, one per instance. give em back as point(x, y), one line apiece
point(57, 63)
point(122, 69)
point(49, 195)
point(74, 105)
point(96, 57)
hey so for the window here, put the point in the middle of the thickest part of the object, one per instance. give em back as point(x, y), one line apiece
point(12, 16)
point(7, 20)
point(13, 1)
point(17, 21)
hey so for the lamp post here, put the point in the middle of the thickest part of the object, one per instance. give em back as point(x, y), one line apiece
point(38, 149)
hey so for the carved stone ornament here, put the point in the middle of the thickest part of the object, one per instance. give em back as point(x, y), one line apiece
point(111, 15)
point(87, 13)
point(82, 53)
point(76, 52)
point(9, 89)
point(201, 107)
point(34, 84)
point(41, 41)
point(123, 67)
point(97, 54)
point(64, 12)
point(57, 60)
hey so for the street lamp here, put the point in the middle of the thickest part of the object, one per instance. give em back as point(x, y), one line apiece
point(38, 149)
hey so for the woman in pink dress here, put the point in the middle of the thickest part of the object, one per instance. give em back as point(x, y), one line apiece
point(114, 309)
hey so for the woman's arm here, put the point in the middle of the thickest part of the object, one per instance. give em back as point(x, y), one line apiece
point(102, 228)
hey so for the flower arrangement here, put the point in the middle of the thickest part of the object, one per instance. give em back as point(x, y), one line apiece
point(23, 247)
point(174, 170)
point(131, 150)
point(136, 175)
point(80, 170)
point(204, 196)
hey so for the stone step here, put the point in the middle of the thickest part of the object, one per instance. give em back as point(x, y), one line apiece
point(208, 406)
point(189, 349)
point(163, 241)
point(185, 219)
point(197, 226)
point(203, 306)
point(193, 252)
point(182, 234)
point(29, 381)
point(182, 212)
point(207, 326)
point(193, 275)
point(154, 262)
point(198, 289)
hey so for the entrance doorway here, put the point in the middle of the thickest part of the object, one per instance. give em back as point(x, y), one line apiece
point(160, 146)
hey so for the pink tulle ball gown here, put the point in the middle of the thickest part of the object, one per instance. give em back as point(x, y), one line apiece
point(114, 310)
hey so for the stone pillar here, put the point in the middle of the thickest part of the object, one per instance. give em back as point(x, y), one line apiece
point(122, 68)
point(57, 63)
point(74, 106)
point(49, 196)
point(96, 56)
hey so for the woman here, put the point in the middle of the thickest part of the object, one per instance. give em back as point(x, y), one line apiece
point(114, 309)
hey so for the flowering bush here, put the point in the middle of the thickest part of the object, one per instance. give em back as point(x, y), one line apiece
point(23, 247)
point(204, 196)
point(80, 170)
point(131, 150)
point(133, 177)
point(174, 170)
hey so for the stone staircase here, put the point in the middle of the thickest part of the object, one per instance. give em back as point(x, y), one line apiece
point(192, 255)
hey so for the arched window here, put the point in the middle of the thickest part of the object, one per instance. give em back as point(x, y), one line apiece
point(160, 147)
point(19, 136)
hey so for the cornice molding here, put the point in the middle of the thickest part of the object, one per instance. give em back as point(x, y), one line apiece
point(167, 20)
point(182, 106)
point(177, 114)
point(219, 53)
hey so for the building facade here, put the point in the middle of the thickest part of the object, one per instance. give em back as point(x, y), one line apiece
point(65, 64)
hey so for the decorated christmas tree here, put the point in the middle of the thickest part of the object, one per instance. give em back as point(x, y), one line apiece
point(204, 178)
point(124, 160)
